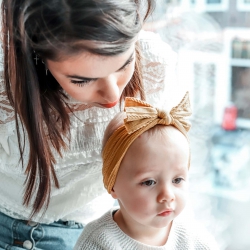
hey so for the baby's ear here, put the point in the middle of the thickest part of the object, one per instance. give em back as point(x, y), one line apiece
point(113, 193)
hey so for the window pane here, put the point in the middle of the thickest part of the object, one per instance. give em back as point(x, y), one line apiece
point(214, 1)
point(241, 90)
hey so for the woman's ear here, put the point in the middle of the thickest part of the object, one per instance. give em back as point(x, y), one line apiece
point(113, 193)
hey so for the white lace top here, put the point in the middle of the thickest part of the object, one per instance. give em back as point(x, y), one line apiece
point(81, 196)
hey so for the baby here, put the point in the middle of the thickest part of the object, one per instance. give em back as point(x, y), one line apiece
point(146, 160)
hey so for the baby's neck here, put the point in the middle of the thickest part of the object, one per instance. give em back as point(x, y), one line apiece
point(146, 235)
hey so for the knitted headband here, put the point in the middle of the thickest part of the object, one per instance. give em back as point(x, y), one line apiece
point(140, 118)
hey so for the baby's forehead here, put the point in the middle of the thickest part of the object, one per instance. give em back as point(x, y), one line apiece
point(162, 137)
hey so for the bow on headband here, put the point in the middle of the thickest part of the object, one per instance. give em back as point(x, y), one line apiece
point(140, 114)
point(140, 118)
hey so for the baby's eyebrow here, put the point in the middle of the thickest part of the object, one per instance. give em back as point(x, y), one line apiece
point(143, 172)
point(183, 171)
point(83, 78)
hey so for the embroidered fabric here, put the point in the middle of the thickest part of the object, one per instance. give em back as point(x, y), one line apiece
point(81, 196)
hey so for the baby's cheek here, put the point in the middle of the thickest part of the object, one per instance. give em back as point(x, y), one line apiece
point(141, 205)
point(182, 201)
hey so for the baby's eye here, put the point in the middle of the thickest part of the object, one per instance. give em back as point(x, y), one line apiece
point(177, 180)
point(148, 183)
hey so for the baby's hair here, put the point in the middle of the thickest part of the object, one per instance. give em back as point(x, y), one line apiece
point(169, 131)
point(113, 125)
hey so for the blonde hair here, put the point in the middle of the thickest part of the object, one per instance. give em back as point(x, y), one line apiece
point(113, 125)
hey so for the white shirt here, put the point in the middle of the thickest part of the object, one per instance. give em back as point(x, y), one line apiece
point(105, 234)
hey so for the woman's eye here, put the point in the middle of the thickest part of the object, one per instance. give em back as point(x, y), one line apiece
point(81, 83)
point(148, 183)
point(177, 180)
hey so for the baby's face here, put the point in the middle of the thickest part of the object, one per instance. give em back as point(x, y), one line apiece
point(151, 185)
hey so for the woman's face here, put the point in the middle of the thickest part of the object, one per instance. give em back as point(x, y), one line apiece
point(93, 79)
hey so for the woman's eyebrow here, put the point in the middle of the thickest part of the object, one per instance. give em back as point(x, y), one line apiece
point(127, 62)
point(94, 79)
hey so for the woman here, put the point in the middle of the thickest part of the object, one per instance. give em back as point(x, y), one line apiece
point(67, 66)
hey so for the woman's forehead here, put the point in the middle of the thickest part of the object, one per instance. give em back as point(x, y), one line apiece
point(91, 65)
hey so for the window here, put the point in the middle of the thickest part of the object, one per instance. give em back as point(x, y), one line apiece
point(235, 86)
point(206, 5)
point(202, 73)
point(241, 90)
point(243, 5)
point(172, 1)
point(216, 5)
point(213, 1)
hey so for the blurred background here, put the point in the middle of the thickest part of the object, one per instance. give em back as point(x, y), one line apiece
point(212, 40)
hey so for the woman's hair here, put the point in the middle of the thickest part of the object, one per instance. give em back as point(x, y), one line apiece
point(55, 29)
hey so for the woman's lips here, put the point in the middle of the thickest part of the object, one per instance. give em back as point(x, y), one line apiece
point(110, 105)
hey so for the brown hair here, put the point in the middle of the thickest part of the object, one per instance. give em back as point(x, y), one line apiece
point(51, 28)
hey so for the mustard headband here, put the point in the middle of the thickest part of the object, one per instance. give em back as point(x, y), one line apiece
point(140, 118)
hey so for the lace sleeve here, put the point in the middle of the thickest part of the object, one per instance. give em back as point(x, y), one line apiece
point(7, 122)
point(159, 63)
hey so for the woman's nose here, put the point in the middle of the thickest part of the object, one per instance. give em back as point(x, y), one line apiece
point(166, 194)
point(109, 89)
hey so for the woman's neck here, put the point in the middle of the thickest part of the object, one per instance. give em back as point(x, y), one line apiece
point(144, 234)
